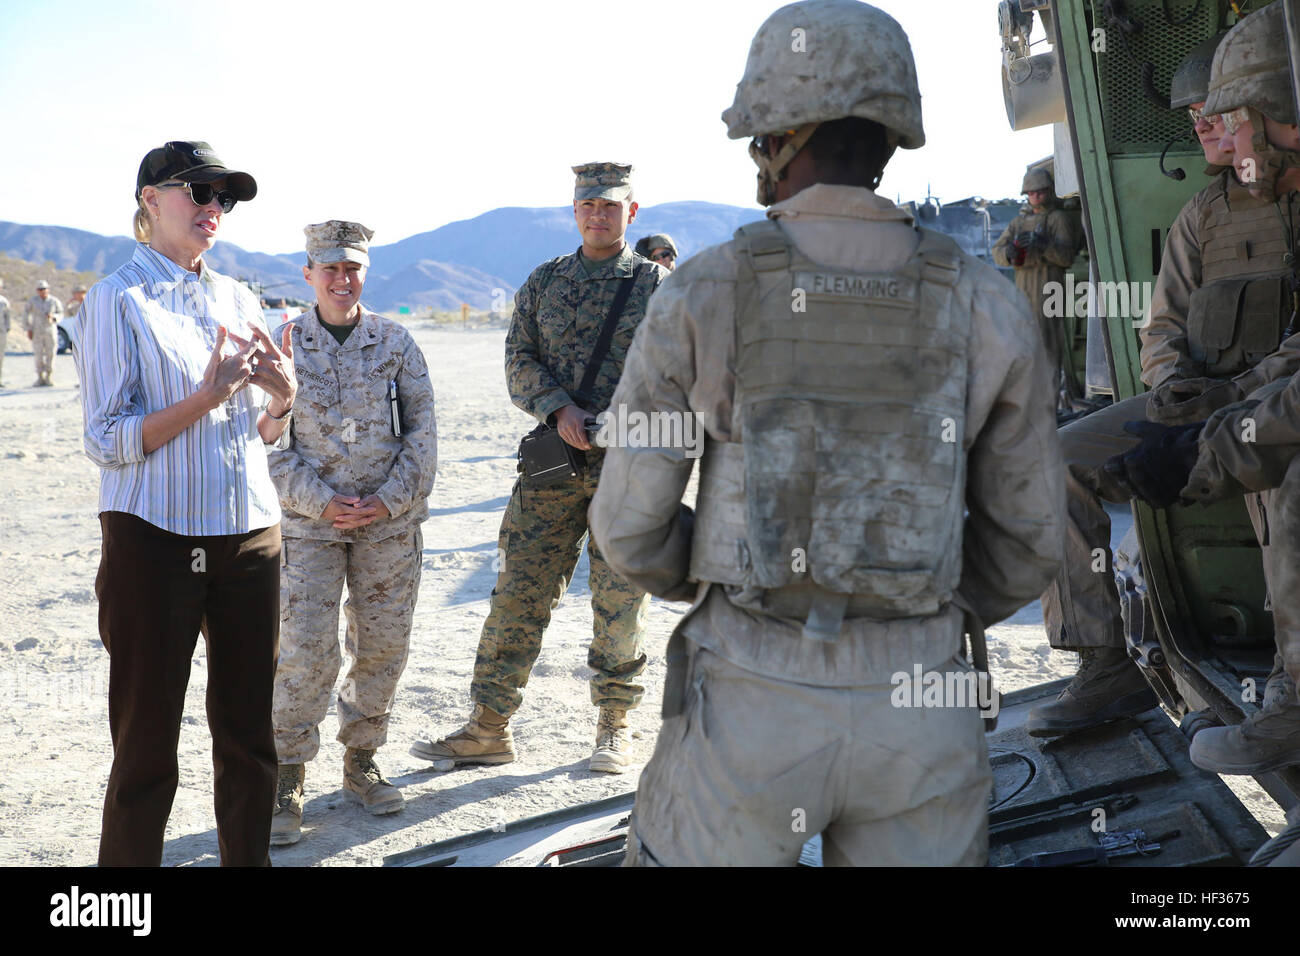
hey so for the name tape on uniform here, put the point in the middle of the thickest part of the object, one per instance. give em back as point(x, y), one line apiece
point(879, 288)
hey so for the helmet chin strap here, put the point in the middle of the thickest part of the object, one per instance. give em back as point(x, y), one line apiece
point(1274, 161)
point(770, 168)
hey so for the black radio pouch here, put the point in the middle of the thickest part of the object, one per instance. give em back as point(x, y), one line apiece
point(547, 459)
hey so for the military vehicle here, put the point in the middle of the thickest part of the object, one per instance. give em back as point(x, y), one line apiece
point(1191, 579)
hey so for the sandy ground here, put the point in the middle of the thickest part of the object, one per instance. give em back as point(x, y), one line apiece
point(55, 750)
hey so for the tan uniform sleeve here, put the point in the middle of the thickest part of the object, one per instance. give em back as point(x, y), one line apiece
point(636, 517)
point(411, 476)
point(1248, 446)
point(1282, 363)
point(299, 487)
point(1015, 486)
point(1164, 335)
point(1002, 248)
point(1062, 239)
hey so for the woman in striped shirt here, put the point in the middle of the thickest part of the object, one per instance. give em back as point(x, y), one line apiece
point(176, 371)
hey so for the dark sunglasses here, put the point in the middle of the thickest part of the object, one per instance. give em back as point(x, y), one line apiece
point(663, 255)
point(201, 194)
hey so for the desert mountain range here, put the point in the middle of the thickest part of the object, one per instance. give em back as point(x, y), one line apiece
point(461, 262)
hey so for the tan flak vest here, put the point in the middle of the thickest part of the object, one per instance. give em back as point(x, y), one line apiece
point(1237, 316)
point(846, 466)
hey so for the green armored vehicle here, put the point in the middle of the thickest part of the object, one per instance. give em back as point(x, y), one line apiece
point(1192, 587)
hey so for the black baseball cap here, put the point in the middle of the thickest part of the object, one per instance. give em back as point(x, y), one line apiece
point(191, 162)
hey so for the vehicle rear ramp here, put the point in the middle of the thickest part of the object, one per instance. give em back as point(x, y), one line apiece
point(1122, 795)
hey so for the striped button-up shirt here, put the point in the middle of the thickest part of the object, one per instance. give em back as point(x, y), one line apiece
point(146, 334)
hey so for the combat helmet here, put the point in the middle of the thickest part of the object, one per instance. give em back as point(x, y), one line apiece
point(658, 240)
point(1036, 179)
point(1191, 81)
point(1251, 68)
point(1251, 71)
point(822, 60)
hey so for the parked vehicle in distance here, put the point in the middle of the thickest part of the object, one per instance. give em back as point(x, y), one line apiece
point(65, 336)
point(277, 316)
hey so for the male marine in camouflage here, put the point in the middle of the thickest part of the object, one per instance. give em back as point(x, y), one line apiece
point(558, 317)
point(1040, 244)
point(354, 483)
point(42, 318)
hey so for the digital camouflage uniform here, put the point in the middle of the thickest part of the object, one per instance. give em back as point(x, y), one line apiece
point(42, 320)
point(557, 319)
point(342, 442)
point(1054, 241)
point(761, 720)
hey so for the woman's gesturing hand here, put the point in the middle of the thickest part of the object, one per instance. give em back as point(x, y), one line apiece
point(273, 370)
point(225, 376)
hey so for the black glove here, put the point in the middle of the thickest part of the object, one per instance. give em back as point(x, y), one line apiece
point(1157, 468)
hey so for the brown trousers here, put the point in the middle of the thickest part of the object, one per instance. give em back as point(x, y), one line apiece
point(157, 591)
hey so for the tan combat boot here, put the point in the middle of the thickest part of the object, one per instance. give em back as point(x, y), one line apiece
point(363, 782)
point(485, 738)
point(1266, 740)
point(286, 821)
point(1108, 686)
point(613, 743)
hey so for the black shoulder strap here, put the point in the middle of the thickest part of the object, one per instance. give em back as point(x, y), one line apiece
point(606, 335)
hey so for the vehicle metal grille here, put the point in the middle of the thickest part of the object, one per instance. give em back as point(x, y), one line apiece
point(1133, 123)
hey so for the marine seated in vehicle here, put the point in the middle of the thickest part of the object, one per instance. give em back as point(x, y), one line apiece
point(1249, 443)
point(1217, 311)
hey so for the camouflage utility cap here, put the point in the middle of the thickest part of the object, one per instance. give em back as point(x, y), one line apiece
point(1037, 179)
point(603, 181)
point(1191, 81)
point(42, 284)
point(338, 241)
point(1251, 68)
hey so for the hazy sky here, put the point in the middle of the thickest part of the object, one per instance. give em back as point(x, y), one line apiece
point(407, 116)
